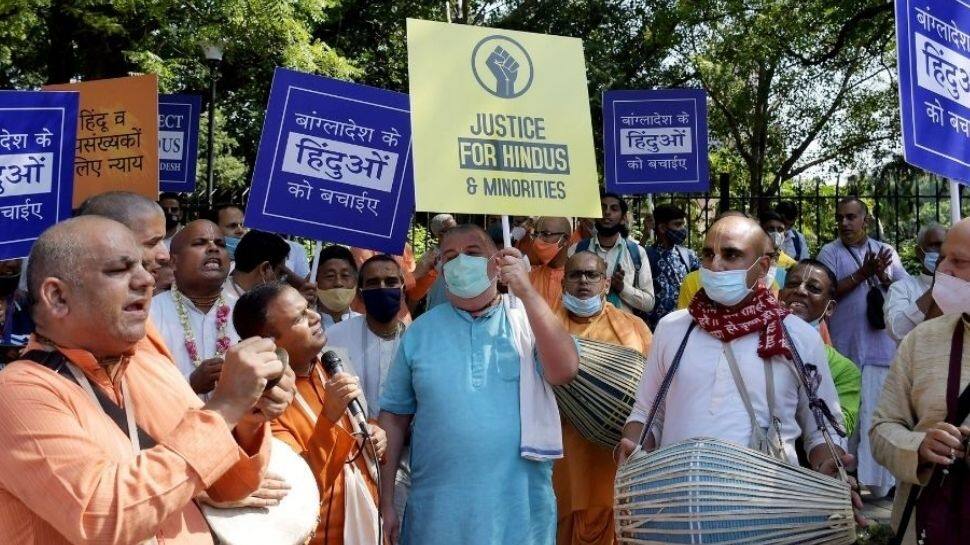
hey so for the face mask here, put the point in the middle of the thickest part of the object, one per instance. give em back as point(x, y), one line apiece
point(467, 276)
point(231, 244)
point(777, 238)
point(930, 259)
point(951, 294)
point(677, 236)
point(8, 284)
point(609, 231)
point(545, 251)
point(382, 304)
point(726, 287)
point(171, 222)
point(582, 307)
point(336, 299)
point(517, 233)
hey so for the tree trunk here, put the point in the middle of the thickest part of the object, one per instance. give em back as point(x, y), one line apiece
point(61, 61)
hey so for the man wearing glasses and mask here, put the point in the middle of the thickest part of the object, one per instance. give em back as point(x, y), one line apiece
point(547, 255)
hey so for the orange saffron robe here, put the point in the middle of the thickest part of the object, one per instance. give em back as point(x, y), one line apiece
point(69, 474)
point(583, 478)
point(548, 282)
point(325, 447)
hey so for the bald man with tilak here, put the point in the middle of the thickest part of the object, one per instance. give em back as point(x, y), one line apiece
point(194, 316)
point(735, 315)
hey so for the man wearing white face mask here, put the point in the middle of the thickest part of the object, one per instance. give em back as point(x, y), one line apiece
point(738, 345)
point(910, 298)
point(583, 478)
point(915, 432)
point(473, 376)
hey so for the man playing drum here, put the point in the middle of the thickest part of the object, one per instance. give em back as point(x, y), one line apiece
point(737, 319)
point(583, 478)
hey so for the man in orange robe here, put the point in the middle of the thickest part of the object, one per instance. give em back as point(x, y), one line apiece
point(583, 478)
point(71, 474)
point(316, 424)
point(547, 255)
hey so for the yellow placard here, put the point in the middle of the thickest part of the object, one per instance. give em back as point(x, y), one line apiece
point(117, 136)
point(500, 122)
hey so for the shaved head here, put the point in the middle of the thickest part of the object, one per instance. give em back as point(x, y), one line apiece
point(553, 224)
point(183, 237)
point(741, 230)
point(124, 207)
point(955, 254)
point(143, 216)
point(88, 286)
point(61, 249)
point(586, 260)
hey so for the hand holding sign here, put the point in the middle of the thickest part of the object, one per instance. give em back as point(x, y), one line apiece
point(505, 69)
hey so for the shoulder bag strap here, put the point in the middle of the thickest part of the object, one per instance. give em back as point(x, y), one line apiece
point(957, 409)
point(665, 385)
point(57, 362)
point(856, 259)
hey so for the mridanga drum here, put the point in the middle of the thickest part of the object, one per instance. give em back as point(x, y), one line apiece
point(705, 490)
point(601, 396)
point(712, 491)
point(291, 522)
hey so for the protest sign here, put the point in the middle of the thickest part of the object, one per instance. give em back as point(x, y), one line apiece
point(334, 163)
point(655, 141)
point(178, 141)
point(501, 122)
point(117, 136)
point(37, 132)
point(933, 42)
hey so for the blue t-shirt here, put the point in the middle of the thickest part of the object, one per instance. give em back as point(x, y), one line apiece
point(459, 377)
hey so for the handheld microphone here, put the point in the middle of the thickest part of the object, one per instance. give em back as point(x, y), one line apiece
point(332, 364)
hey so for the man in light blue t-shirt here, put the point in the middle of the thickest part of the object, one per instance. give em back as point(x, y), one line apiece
point(456, 384)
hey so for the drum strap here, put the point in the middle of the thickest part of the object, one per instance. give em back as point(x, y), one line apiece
point(766, 440)
point(665, 385)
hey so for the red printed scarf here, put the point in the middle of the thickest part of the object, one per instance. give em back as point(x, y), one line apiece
point(763, 313)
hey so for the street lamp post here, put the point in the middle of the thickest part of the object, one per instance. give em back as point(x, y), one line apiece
point(213, 56)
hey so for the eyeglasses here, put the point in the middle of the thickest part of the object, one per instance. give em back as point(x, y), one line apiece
point(549, 236)
point(591, 276)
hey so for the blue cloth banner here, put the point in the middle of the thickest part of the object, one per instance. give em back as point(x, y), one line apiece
point(933, 43)
point(334, 163)
point(655, 141)
point(178, 141)
point(37, 139)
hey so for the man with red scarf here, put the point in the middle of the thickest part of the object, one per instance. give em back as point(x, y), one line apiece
point(735, 316)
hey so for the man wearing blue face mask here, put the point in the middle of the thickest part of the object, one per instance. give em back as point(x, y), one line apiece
point(910, 298)
point(471, 385)
point(583, 479)
point(732, 345)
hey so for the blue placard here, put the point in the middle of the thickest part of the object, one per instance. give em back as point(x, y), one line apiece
point(334, 163)
point(178, 141)
point(655, 141)
point(37, 138)
point(933, 42)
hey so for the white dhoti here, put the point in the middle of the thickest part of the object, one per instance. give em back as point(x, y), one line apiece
point(877, 478)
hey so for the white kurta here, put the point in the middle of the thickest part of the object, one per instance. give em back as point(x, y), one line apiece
point(901, 312)
point(203, 326)
point(370, 356)
point(703, 400)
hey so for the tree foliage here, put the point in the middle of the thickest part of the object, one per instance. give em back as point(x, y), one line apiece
point(795, 85)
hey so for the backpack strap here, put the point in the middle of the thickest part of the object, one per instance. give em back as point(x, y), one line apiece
point(634, 249)
point(798, 243)
point(583, 245)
